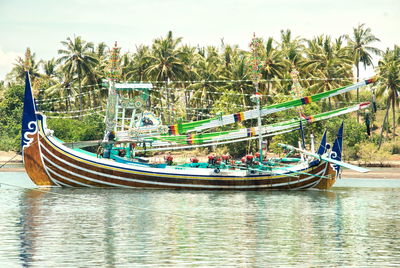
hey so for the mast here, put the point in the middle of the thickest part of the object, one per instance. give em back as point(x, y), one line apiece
point(258, 95)
point(256, 46)
point(114, 72)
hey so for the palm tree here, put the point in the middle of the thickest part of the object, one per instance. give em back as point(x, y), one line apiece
point(190, 59)
point(360, 47)
point(139, 64)
point(78, 59)
point(326, 60)
point(101, 50)
point(63, 89)
point(361, 50)
point(50, 71)
point(240, 72)
point(291, 48)
point(165, 62)
point(389, 81)
point(274, 64)
point(17, 73)
point(207, 69)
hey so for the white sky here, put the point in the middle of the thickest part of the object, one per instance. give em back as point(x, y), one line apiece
point(42, 24)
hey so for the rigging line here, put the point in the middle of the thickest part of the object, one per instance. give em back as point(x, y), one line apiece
point(70, 97)
point(73, 111)
point(100, 86)
point(248, 80)
point(203, 100)
point(5, 163)
point(215, 143)
point(18, 153)
point(210, 92)
point(73, 116)
point(88, 92)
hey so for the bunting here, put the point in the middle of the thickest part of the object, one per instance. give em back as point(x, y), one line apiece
point(173, 130)
point(192, 139)
point(239, 117)
point(306, 100)
point(251, 132)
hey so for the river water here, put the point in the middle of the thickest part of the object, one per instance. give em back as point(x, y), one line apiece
point(356, 224)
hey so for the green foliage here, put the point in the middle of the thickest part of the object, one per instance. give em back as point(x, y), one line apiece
point(239, 149)
point(368, 153)
point(11, 118)
point(391, 147)
point(89, 128)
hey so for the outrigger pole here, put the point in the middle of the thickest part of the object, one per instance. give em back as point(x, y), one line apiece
point(209, 138)
point(327, 159)
point(204, 124)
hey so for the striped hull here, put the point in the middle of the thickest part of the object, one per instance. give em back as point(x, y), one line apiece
point(67, 168)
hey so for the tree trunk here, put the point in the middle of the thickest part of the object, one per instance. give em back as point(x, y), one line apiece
point(383, 124)
point(358, 91)
point(89, 94)
point(394, 113)
point(243, 97)
point(80, 95)
point(186, 104)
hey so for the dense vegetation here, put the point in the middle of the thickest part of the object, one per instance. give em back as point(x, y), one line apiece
point(192, 83)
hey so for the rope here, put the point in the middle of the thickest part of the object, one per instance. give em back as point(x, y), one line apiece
point(5, 163)
point(75, 116)
point(74, 111)
point(243, 80)
point(69, 97)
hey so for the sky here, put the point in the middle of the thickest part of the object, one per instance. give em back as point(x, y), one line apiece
point(42, 24)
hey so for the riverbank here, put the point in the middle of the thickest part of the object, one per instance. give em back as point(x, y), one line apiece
point(374, 173)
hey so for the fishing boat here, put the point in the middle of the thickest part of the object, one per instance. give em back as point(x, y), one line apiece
point(130, 129)
point(50, 162)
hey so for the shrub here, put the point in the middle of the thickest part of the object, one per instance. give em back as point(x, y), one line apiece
point(392, 147)
point(368, 153)
point(11, 118)
point(89, 128)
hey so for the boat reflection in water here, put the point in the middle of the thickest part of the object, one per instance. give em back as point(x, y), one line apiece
point(71, 227)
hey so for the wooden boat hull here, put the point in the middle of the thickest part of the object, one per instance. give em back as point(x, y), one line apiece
point(49, 163)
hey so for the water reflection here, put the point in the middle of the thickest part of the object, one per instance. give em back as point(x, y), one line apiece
point(87, 228)
point(28, 224)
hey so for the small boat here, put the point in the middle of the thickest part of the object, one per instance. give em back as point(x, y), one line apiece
point(51, 163)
